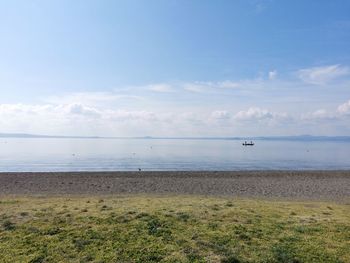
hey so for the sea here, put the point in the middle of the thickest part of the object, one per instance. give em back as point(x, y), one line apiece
point(99, 154)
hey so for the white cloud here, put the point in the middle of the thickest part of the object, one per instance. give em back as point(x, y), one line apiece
point(79, 119)
point(258, 114)
point(73, 109)
point(227, 84)
point(126, 115)
point(206, 86)
point(160, 87)
point(318, 115)
point(195, 87)
point(192, 86)
point(272, 74)
point(322, 75)
point(89, 98)
point(344, 109)
point(220, 115)
point(79, 109)
point(260, 5)
point(202, 86)
point(69, 119)
point(322, 115)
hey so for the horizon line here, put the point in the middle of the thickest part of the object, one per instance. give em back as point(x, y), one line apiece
point(262, 137)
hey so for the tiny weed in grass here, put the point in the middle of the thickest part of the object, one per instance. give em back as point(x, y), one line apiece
point(305, 229)
point(213, 226)
point(123, 219)
point(285, 254)
point(9, 202)
point(183, 216)
point(38, 259)
point(249, 221)
point(154, 226)
point(80, 244)
point(244, 236)
point(142, 215)
point(230, 259)
point(215, 208)
point(291, 239)
point(8, 225)
point(33, 229)
point(103, 208)
point(158, 228)
point(194, 236)
point(87, 258)
point(53, 231)
point(192, 254)
point(92, 234)
point(151, 256)
point(59, 220)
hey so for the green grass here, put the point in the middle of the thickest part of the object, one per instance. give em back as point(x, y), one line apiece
point(172, 229)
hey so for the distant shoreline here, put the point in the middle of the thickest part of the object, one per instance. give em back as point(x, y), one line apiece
point(286, 185)
point(235, 138)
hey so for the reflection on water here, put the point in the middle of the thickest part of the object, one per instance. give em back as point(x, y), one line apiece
point(164, 154)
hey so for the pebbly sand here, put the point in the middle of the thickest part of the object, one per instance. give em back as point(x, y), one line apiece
point(293, 185)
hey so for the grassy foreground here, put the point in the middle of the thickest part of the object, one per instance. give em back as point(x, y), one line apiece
point(172, 229)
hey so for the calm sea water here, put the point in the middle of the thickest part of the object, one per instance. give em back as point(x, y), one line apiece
point(165, 154)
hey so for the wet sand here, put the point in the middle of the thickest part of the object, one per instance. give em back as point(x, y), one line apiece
point(293, 185)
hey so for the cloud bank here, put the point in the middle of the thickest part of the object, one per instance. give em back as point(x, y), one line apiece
point(323, 75)
point(270, 104)
point(79, 119)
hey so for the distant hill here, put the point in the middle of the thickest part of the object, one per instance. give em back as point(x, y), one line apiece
point(265, 138)
point(304, 138)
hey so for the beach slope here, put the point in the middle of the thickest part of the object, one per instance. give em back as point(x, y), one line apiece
point(294, 185)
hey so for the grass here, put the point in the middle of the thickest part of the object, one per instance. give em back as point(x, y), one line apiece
point(172, 229)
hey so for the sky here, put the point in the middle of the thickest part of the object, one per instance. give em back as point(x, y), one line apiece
point(175, 67)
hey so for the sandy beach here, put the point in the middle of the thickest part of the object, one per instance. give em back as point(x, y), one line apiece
point(293, 185)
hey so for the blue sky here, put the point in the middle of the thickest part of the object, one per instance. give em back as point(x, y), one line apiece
point(175, 68)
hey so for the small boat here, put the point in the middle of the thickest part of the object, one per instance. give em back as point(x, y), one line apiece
point(248, 143)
